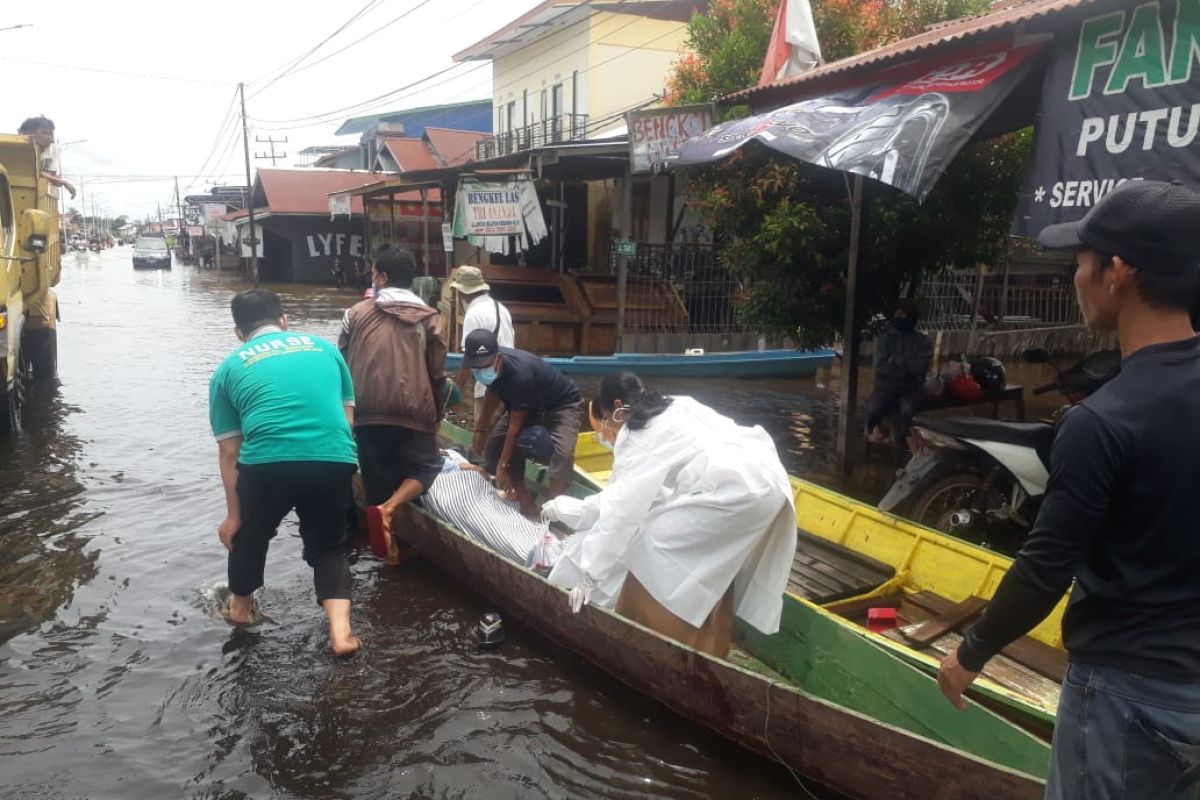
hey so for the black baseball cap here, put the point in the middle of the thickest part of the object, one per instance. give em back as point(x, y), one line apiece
point(1150, 224)
point(480, 348)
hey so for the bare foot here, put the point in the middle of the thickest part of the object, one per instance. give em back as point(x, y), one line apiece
point(344, 642)
point(240, 610)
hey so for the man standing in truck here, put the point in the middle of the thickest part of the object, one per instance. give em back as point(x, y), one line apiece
point(42, 131)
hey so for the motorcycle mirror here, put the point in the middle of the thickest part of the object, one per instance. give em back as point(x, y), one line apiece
point(1036, 355)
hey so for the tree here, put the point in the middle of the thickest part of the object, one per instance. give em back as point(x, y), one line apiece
point(789, 222)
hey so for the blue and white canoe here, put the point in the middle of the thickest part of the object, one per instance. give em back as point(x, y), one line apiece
point(741, 364)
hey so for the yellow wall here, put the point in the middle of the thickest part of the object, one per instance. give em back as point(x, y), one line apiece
point(618, 60)
point(629, 61)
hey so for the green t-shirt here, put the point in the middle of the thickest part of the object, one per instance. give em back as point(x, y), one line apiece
point(284, 393)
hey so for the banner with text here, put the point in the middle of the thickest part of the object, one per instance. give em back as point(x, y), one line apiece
point(903, 128)
point(1121, 101)
point(656, 135)
point(502, 208)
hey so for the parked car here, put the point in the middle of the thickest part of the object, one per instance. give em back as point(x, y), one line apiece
point(150, 252)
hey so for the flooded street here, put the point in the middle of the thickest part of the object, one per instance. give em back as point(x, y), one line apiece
point(118, 679)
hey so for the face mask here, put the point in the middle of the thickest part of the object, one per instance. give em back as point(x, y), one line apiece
point(904, 324)
point(486, 376)
point(605, 443)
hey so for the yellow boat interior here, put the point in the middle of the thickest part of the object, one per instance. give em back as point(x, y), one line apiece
point(854, 562)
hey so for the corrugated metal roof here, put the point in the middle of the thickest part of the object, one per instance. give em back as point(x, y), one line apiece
point(453, 147)
point(306, 191)
point(411, 154)
point(1000, 19)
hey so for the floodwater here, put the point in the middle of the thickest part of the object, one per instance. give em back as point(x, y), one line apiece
point(119, 680)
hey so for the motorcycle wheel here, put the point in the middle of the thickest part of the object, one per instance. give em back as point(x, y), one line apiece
point(935, 505)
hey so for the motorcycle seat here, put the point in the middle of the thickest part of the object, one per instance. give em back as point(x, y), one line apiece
point(1037, 436)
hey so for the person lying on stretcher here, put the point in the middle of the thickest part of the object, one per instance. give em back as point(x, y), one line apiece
point(463, 496)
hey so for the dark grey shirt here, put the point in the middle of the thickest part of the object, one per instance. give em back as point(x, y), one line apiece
point(1120, 517)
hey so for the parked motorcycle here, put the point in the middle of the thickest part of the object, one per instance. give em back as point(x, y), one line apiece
point(983, 480)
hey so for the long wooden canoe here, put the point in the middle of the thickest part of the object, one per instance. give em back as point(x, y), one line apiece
point(920, 748)
point(923, 574)
point(740, 364)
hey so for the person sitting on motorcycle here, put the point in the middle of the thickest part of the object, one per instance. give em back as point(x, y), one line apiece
point(902, 359)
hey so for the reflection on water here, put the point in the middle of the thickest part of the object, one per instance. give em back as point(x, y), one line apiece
point(117, 680)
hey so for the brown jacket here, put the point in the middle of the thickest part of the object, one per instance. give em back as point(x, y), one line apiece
point(395, 346)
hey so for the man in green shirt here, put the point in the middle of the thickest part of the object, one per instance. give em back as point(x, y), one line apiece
point(281, 407)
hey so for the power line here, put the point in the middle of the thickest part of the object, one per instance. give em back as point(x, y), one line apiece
point(380, 29)
point(103, 71)
point(365, 105)
point(362, 106)
point(296, 62)
point(515, 81)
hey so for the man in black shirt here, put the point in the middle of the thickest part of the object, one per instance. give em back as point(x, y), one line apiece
point(1119, 517)
point(533, 393)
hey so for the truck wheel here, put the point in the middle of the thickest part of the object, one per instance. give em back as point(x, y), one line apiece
point(43, 355)
point(14, 401)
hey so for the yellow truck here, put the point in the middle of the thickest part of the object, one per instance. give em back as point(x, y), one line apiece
point(29, 266)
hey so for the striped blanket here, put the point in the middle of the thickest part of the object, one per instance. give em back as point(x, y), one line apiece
point(469, 502)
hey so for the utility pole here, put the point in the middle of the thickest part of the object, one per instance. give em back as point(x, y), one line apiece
point(272, 143)
point(249, 188)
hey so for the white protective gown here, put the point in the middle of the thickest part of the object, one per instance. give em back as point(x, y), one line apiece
point(696, 502)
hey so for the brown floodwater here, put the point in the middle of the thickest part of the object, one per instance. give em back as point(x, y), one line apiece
point(119, 680)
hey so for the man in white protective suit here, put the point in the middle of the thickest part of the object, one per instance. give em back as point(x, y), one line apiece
point(696, 526)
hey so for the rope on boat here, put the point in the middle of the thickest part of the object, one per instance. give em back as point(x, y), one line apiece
point(767, 739)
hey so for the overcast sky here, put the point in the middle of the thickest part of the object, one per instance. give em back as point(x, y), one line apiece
point(149, 85)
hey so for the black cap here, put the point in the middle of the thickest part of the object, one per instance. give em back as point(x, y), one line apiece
point(480, 348)
point(1150, 224)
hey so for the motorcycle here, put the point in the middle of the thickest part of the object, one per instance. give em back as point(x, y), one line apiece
point(983, 480)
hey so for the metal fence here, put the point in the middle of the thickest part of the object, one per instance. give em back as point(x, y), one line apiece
point(563, 128)
point(1031, 294)
point(679, 288)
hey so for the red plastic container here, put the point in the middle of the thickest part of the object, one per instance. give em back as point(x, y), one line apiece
point(881, 619)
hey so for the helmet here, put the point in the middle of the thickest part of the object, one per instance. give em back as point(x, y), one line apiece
point(988, 372)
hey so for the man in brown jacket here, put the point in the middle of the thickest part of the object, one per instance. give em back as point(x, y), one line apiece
point(395, 346)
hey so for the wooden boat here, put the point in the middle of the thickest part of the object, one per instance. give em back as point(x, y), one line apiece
point(851, 558)
point(871, 746)
point(743, 364)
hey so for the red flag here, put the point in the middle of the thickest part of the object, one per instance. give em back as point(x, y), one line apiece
point(778, 50)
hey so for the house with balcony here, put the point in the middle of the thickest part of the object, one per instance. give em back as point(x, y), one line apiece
point(565, 75)
point(569, 70)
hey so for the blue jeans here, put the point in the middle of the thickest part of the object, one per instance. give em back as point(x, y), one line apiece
point(1120, 736)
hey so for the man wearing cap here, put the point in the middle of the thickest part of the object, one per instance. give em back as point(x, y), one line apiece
point(484, 312)
point(533, 394)
point(1119, 516)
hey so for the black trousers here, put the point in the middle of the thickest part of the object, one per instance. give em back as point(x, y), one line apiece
point(903, 401)
point(319, 491)
point(390, 454)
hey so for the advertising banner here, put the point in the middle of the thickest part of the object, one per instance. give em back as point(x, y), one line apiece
point(656, 135)
point(502, 208)
point(1121, 101)
point(902, 128)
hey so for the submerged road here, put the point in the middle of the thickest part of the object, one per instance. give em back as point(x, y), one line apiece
point(118, 679)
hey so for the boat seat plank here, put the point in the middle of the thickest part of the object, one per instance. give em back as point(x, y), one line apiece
point(825, 572)
point(1040, 657)
point(934, 629)
point(1001, 670)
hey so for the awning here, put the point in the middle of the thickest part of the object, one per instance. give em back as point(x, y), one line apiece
point(902, 127)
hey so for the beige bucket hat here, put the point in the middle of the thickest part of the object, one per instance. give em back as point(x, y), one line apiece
point(469, 280)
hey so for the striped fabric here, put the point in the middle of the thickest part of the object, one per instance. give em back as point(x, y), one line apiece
point(469, 502)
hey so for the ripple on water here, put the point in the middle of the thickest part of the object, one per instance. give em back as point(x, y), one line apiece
point(118, 679)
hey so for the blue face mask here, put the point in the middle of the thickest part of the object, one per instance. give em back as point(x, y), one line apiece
point(486, 376)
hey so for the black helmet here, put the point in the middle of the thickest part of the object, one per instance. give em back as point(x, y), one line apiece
point(988, 372)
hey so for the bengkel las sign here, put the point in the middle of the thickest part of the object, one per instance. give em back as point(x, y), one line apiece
point(657, 135)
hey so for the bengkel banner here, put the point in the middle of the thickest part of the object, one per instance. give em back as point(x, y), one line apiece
point(903, 128)
point(1121, 101)
point(656, 135)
